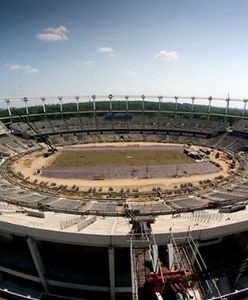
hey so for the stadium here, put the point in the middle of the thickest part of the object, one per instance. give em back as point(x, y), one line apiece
point(123, 197)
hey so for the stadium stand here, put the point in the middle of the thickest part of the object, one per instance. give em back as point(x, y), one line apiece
point(240, 126)
point(62, 224)
point(3, 129)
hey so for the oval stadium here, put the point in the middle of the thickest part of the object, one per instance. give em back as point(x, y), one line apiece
point(123, 197)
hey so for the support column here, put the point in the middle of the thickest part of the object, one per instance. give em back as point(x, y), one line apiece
point(111, 257)
point(192, 106)
point(194, 254)
point(127, 103)
point(61, 106)
point(37, 261)
point(155, 258)
point(171, 257)
point(8, 107)
point(25, 99)
point(159, 103)
point(176, 98)
point(43, 99)
point(209, 106)
point(77, 102)
point(143, 103)
point(245, 103)
point(227, 108)
point(110, 102)
point(94, 104)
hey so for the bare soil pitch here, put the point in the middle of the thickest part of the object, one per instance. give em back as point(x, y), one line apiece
point(125, 162)
point(28, 164)
point(140, 171)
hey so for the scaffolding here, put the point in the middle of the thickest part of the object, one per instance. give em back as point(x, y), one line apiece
point(143, 248)
point(183, 256)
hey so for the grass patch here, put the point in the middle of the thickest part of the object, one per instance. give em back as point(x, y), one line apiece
point(121, 158)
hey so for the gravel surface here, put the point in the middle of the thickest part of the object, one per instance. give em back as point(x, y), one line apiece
point(130, 171)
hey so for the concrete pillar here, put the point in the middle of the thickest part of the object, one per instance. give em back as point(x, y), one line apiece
point(143, 103)
point(127, 102)
point(245, 103)
point(176, 99)
point(194, 254)
point(110, 102)
point(43, 99)
point(37, 261)
point(111, 257)
point(171, 257)
point(155, 258)
point(227, 108)
point(8, 107)
point(209, 106)
point(77, 102)
point(192, 106)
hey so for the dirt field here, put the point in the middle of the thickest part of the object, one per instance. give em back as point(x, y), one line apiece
point(35, 161)
point(121, 156)
point(129, 171)
point(131, 161)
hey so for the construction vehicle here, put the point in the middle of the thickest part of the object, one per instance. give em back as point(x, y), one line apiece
point(176, 281)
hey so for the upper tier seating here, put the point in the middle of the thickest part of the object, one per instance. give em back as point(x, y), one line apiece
point(11, 145)
point(3, 129)
point(136, 123)
point(241, 126)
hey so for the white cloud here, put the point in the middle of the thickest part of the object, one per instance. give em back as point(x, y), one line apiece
point(88, 63)
point(15, 67)
point(53, 34)
point(106, 50)
point(131, 73)
point(28, 69)
point(166, 55)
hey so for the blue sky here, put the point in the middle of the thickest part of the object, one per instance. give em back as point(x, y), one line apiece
point(169, 47)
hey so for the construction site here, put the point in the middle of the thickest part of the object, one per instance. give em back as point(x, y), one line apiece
point(123, 204)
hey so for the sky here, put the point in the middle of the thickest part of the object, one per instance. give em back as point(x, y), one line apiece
point(158, 47)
